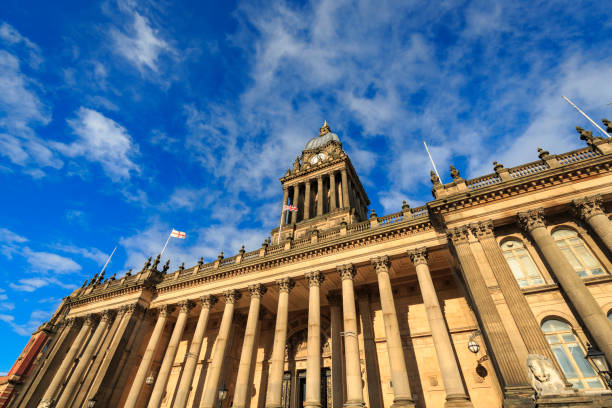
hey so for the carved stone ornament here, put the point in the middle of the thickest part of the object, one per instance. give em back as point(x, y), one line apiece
point(454, 173)
point(532, 219)
point(483, 229)
point(435, 180)
point(346, 271)
point(544, 377)
point(418, 256)
point(91, 320)
point(381, 263)
point(285, 284)
point(314, 278)
point(185, 306)
point(607, 124)
point(458, 235)
point(165, 310)
point(588, 207)
point(107, 315)
point(231, 296)
point(257, 290)
point(208, 301)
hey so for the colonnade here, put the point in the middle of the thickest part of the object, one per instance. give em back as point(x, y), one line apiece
point(320, 195)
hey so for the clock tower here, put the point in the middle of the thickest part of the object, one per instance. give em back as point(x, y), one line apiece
point(324, 187)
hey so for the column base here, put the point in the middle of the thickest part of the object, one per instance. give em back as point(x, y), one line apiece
point(46, 404)
point(349, 404)
point(273, 406)
point(308, 404)
point(518, 397)
point(403, 403)
point(457, 401)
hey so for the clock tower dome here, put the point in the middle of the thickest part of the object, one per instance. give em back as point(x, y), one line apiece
point(323, 186)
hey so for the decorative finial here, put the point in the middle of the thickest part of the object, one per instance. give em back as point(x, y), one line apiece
point(324, 129)
point(584, 134)
point(373, 214)
point(242, 251)
point(454, 173)
point(497, 166)
point(435, 180)
point(543, 154)
point(220, 257)
point(156, 262)
point(113, 277)
point(182, 267)
point(405, 206)
point(201, 261)
point(166, 267)
point(607, 124)
point(147, 264)
point(129, 273)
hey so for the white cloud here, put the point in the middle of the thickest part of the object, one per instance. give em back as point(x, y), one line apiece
point(12, 37)
point(37, 317)
point(102, 140)
point(140, 44)
point(10, 237)
point(31, 284)
point(49, 262)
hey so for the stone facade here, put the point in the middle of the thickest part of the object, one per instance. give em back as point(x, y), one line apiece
point(344, 308)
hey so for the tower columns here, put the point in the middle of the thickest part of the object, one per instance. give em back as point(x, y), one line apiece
point(456, 395)
point(332, 191)
point(589, 210)
point(283, 211)
point(335, 314)
point(313, 348)
point(214, 371)
point(277, 358)
point(296, 197)
point(307, 200)
point(583, 301)
point(354, 390)
point(345, 193)
point(320, 196)
point(248, 347)
point(402, 397)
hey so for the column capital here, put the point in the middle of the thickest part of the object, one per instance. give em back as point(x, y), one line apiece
point(257, 290)
point(482, 229)
point(587, 207)
point(208, 301)
point(107, 315)
point(418, 256)
point(334, 298)
point(185, 306)
point(314, 278)
point(458, 235)
point(531, 219)
point(165, 310)
point(231, 296)
point(381, 263)
point(91, 319)
point(285, 284)
point(346, 271)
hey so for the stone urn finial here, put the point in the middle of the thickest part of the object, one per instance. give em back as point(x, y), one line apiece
point(201, 261)
point(454, 173)
point(607, 124)
point(543, 154)
point(373, 214)
point(220, 257)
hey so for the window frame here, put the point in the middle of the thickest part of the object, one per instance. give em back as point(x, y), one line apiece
point(530, 280)
point(587, 271)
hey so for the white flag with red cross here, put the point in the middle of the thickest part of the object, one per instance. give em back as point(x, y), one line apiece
point(289, 208)
point(177, 234)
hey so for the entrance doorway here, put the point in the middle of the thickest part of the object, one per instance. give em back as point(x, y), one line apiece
point(299, 396)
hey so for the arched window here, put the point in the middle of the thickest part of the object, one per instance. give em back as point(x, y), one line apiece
point(577, 253)
point(570, 355)
point(524, 269)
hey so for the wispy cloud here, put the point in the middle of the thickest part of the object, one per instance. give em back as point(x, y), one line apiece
point(41, 261)
point(31, 284)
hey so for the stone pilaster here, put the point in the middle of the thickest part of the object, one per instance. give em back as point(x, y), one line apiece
point(208, 301)
point(332, 192)
point(277, 358)
point(512, 374)
point(456, 395)
point(147, 357)
point(307, 200)
point(313, 350)
point(345, 192)
point(295, 203)
point(402, 397)
point(589, 210)
point(334, 298)
point(164, 370)
point(241, 393)
point(284, 212)
point(354, 389)
point(320, 196)
point(213, 376)
point(583, 301)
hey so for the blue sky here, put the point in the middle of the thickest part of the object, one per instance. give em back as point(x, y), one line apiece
point(122, 119)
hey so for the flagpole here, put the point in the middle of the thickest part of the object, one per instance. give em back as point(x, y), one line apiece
point(165, 245)
point(585, 115)
point(431, 160)
point(108, 260)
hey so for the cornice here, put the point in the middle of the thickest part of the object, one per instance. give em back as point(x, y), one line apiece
point(538, 181)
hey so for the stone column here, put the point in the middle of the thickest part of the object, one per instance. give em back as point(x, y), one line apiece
point(354, 390)
point(335, 311)
point(53, 388)
point(164, 370)
point(515, 385)
point(345, 193)
point(372, 387)
point(456, 395)
point(277, 358)
point(84, 360)
point(208, 301)
point(332, 191)
point(589, 210)
point(402, 397)
point(530, 330)
point(320, 197)
point(241, 392)
point(296, 197)
point(583, 301)
point(284, 212)
point(307, 201)
point(147, 357)
point(209, 395)
point(313, 347)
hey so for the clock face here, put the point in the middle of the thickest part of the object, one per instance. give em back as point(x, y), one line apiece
point(317, 158)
